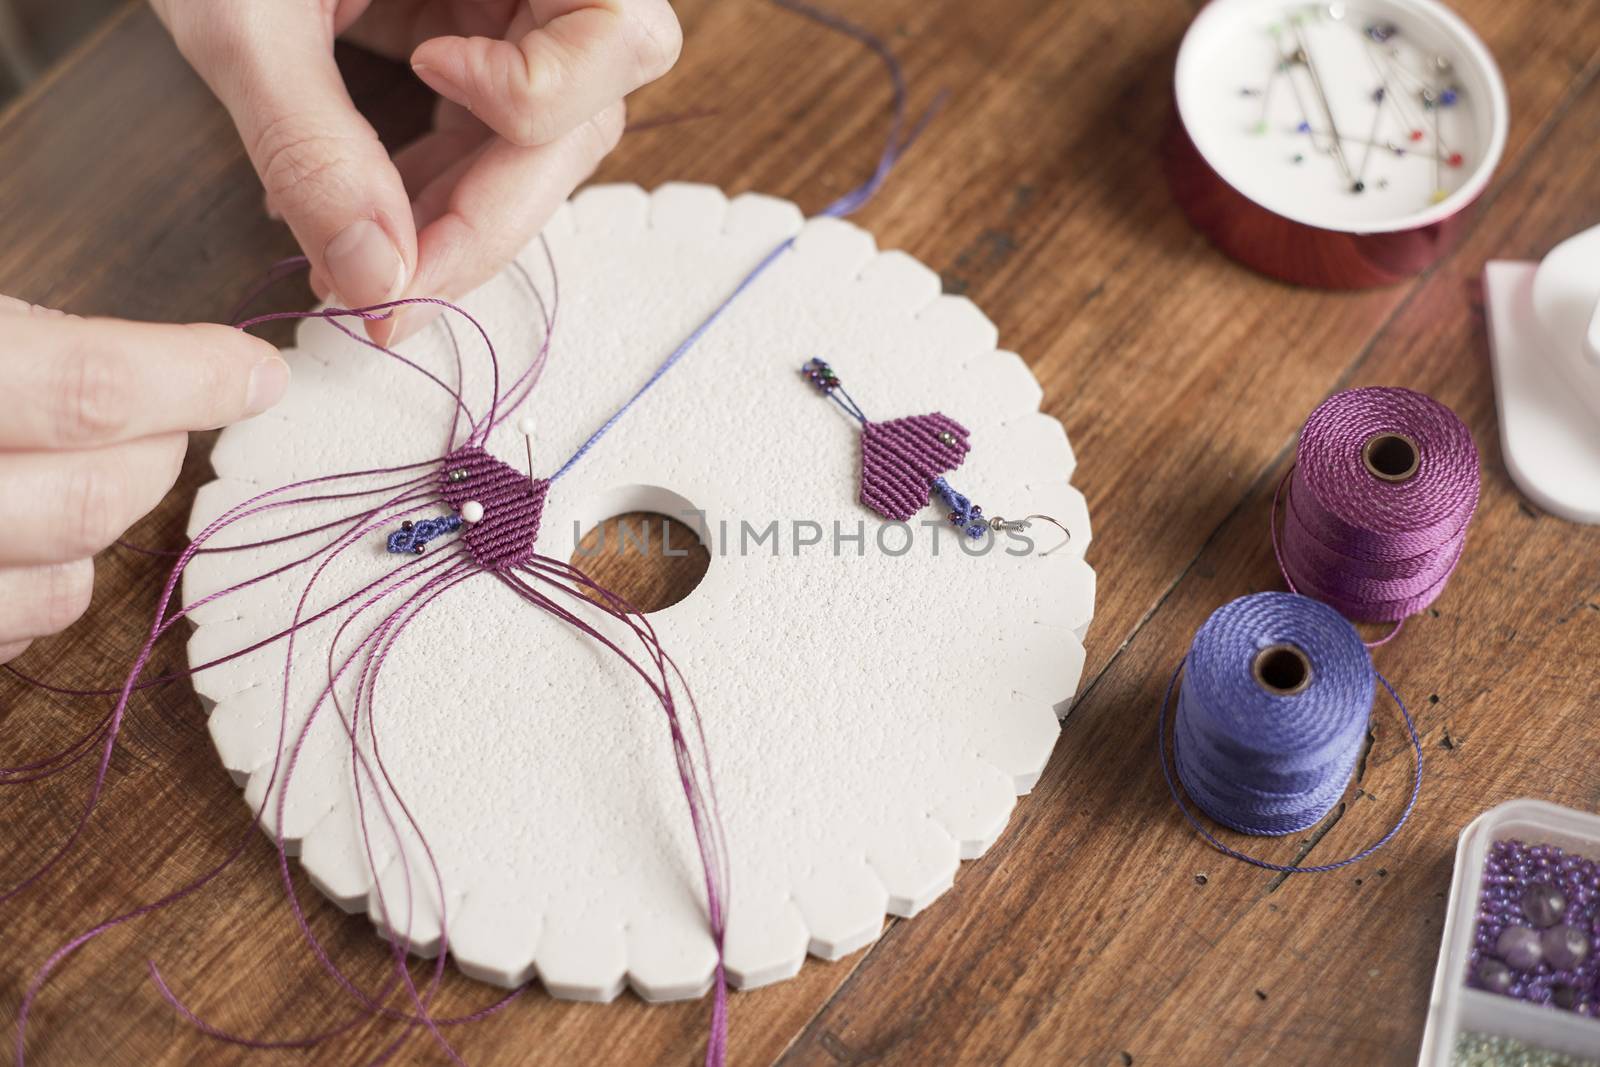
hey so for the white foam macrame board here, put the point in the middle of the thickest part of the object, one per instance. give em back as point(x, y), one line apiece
point(872, 718)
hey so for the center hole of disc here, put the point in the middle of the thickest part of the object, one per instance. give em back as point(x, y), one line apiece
point(1282, 670)
point(1390, 456)
point(648, 559)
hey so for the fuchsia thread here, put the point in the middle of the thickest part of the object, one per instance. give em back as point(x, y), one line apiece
point(1376, 550)
point(501, 544)
point(105, 734)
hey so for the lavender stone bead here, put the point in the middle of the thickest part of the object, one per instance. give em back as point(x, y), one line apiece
point(1565, 947)
point(1494, 976)
point(1519, 946)
point(1538, 928)
point(1544, 905)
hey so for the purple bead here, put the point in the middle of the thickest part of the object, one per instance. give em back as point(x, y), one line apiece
point(1544, 905)
point(1519, 946)
point(1537, 935)
point(1565, 947)
point(1494, 976)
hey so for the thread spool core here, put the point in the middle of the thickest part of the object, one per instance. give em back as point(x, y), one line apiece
point(1282, 670)
point(1393, 457)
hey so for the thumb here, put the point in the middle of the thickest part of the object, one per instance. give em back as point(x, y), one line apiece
point(321, 162)
point(587, 55)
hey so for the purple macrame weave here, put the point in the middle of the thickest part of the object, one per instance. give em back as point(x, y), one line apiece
point(910, 455)
point(512, 503)
point(901, 459)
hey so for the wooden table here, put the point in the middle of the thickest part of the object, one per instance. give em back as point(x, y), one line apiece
point(1098, 930)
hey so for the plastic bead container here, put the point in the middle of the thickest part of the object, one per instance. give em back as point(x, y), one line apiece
point(1457, 1007)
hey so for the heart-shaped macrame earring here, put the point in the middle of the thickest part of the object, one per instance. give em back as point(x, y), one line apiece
point(904, 462)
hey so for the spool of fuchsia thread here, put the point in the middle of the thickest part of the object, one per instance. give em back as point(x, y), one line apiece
point(1384, 485)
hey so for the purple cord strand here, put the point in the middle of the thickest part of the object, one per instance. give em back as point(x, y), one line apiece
point(657, 669)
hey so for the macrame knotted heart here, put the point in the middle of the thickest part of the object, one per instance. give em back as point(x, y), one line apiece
point(512, 504)
point(902, 458)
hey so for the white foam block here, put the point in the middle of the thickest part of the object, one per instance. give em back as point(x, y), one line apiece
point(871, 717)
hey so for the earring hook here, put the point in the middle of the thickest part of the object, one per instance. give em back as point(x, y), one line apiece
point(1000, 525)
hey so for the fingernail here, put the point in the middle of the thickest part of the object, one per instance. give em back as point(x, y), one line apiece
point(382, 331)
point(410, 321)
point(438, 82)
point(363, 265)
point(268, 381)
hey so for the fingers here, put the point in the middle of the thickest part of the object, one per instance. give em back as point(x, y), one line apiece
point(94, 382)
point(451, 144)
point(581, 57)
point(10, 305)
point(39, 601)
point(481, 212)
point(63, 506)
point(322, 164)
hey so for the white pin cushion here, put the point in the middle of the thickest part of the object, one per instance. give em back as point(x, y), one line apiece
point(871, 714)
point(1333, 144)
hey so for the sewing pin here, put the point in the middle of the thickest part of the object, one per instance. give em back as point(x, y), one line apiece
point(1336, 146)
point(525, 426)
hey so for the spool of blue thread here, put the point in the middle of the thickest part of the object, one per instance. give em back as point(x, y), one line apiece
point(1271, 717)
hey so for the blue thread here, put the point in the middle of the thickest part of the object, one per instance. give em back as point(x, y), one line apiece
point(1301, 749)
point(894, 147)
point(413, 537)
point(964, 514)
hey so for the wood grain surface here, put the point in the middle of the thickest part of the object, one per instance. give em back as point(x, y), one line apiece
point(1099, 930)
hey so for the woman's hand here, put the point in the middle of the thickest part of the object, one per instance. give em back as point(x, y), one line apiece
point(92, 435)
point(531, 101)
